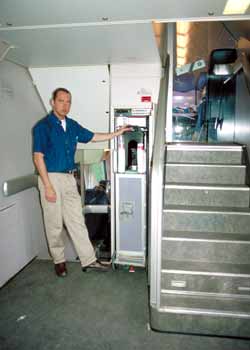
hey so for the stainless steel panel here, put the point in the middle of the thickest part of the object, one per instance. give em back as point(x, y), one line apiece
point(130, 216)
point(184, 321)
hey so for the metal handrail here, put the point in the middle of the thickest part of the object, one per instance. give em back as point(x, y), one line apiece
point(156, 188)
point(19, 184)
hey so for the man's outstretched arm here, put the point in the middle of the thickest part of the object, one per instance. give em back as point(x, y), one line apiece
point(108, 136)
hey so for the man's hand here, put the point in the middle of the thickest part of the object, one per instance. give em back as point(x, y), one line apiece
point(123, 129)
point(50, 194)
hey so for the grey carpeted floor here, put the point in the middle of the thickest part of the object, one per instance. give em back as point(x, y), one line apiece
point(87, 311)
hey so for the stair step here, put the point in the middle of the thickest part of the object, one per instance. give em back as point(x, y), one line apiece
point(205, 245)
point(206, 251)
point(172, 319)
point(205, 194)
point(206, 219)
point(205, 173)
point(206, 236)
point(235, 287)
point(206, 268)
point(178, 277)
point(193, 153)
point(208, 305)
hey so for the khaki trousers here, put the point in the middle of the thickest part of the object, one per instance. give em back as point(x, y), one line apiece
point(68, 210)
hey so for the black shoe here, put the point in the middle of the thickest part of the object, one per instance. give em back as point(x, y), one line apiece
point(96, 266)
point(61, 270)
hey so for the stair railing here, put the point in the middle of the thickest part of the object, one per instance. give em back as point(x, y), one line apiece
point(156, 190)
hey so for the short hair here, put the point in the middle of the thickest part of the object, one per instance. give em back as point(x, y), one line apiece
point(60, 89)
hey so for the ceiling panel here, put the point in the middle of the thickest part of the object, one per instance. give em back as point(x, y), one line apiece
point(92, 45)
point(34, 12)
point(91, 32)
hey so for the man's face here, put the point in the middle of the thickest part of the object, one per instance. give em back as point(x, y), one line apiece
point(61, 104)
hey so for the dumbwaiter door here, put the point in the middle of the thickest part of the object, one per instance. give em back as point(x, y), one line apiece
point(130, 219)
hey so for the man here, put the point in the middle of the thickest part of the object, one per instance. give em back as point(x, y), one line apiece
point(55, 141)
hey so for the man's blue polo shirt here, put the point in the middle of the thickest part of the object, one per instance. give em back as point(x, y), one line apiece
point(57, 145)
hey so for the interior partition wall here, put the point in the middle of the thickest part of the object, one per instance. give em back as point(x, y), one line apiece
point(21, 224)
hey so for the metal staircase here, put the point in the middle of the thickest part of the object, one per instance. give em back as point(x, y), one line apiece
point(204, 277)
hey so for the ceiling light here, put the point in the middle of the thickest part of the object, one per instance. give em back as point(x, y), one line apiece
point(236, 7)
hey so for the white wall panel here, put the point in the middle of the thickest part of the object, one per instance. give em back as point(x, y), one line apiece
point(20, 214)
point(89, 86)
point(21, 228)
point(11, 241)
point(132, 81)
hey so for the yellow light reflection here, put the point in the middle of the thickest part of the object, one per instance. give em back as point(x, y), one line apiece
point(181, 61)
point(181, 51)
point(182, 40)
point(182, 27)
